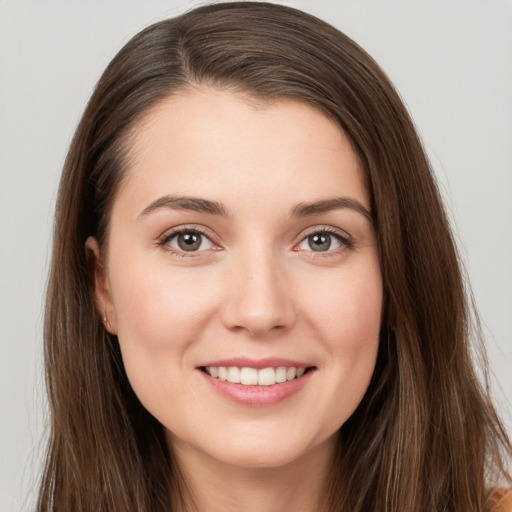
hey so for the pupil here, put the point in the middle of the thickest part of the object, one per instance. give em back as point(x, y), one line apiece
point(189, 241)
point(319, 242)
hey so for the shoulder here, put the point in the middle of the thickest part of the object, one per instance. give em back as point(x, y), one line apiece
point(501, 500)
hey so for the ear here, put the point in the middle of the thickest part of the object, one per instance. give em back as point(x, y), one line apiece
point(102, 295)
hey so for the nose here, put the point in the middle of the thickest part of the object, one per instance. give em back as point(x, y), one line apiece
point(258, 296)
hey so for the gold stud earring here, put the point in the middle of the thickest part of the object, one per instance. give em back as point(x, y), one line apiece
point(106, 323)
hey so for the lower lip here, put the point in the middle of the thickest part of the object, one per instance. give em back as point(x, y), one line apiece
point(257, 396)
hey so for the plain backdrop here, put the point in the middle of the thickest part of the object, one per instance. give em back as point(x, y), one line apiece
point(451, 61)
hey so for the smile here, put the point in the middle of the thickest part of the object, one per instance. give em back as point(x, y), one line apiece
point(248, 376)
point(256, 383)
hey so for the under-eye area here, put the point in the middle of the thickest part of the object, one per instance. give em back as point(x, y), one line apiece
point(248, 376)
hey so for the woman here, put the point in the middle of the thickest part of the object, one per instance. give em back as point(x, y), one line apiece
point(255, 300)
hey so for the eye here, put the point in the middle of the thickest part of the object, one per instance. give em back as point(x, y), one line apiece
point(188, 241)
point(319, 242)
point(324, 241)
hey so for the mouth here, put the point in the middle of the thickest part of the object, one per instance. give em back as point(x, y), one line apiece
point(256, 383)
point(249, 376)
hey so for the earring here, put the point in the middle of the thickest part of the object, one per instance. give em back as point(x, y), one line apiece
point(106, 323)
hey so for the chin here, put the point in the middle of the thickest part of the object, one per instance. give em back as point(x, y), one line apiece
point(261, 458)
point(266, 450)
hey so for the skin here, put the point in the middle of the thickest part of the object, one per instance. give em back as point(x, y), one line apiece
point(255, 289)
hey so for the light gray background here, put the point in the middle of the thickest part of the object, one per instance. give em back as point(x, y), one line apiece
point(451, 60)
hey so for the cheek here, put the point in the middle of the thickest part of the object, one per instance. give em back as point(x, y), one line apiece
point(158, 308)
point(346, 309)
point(160, 312)
point(347, 320)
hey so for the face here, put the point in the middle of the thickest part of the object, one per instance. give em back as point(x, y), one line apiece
point(242, 278)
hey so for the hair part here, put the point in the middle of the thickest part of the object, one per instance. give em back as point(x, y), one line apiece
point(425, 436)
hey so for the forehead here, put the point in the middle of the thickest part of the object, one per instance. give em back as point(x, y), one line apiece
point(228, 147)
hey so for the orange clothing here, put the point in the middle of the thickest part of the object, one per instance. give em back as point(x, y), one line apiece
point(501, 500)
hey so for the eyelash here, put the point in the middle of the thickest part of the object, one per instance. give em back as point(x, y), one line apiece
point(347, 243)
point(167, 237)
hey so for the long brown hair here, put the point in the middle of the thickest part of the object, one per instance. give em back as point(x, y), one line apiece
point(425, 436)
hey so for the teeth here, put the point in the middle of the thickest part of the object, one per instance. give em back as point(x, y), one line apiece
point(291, 373)
point(234, 374)
point(281, 374)
point(251, 376)
point(266, 377)
point(248, 376)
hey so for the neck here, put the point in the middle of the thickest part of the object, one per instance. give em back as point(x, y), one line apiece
point(214, 486)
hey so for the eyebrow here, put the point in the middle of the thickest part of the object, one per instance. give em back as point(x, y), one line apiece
point(186, 203)
point(327, 205)
point(215, 208)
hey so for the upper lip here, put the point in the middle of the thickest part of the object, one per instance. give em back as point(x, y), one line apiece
point(267, 362)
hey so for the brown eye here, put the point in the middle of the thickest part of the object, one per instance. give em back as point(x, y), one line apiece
point(324, 241)
point(319, 242)
point(190, 241)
